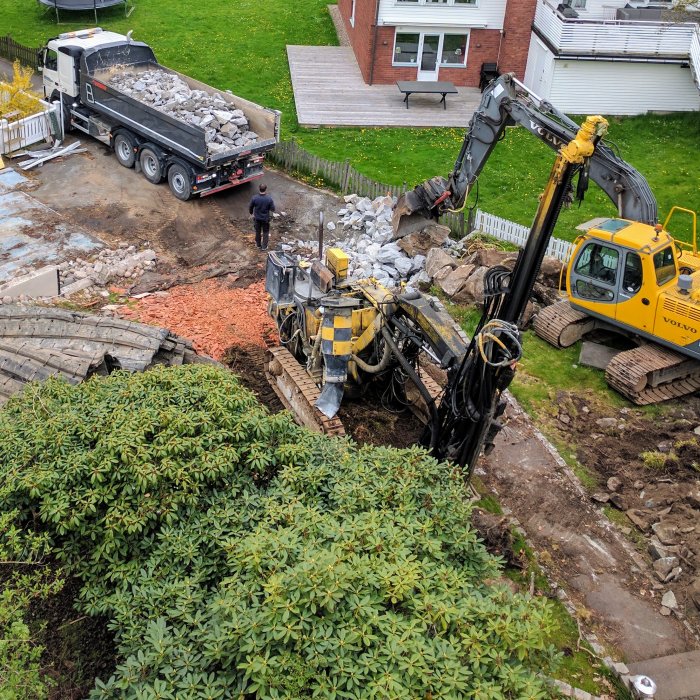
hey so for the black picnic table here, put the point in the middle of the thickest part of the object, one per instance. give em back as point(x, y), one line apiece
point(431, 87)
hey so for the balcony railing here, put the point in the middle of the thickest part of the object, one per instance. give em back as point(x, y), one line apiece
point(585, 37)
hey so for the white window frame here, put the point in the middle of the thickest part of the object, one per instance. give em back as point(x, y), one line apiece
point(421, 34)
point(352, 13)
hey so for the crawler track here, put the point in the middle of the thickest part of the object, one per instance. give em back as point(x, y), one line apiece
point(560, 325)
point(298, 392)
point(646, 374)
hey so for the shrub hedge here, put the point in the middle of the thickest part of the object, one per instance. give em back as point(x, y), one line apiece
point(238, 555)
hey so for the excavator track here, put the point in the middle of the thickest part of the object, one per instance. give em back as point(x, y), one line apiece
point(650, 373)
point(298, 392)
point(560, 325)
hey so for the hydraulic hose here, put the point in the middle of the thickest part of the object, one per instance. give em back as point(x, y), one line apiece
point(374, 369)
point(413, 376)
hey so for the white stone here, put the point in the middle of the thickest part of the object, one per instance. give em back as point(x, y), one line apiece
point(669, 600)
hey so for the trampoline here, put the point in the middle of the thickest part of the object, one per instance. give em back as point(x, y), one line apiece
point(84, 5)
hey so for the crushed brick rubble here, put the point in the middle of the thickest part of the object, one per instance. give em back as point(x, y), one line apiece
point(212, 315)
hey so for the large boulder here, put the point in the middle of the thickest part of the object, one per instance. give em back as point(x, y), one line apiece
point(490, 257)
point(456, 279)
point(432, 236)
point(472, 292)
point(437, 260)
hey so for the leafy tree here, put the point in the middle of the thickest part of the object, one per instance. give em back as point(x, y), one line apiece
point(238, 555)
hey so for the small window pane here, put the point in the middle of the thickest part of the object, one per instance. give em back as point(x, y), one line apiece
point(599, 262)
point(632, 276)
point(454, 50)
point(665, 265)
point(406, 48)
point(51, 61)
point(465, 2)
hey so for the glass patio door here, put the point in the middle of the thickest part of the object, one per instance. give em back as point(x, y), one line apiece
point(429, 64)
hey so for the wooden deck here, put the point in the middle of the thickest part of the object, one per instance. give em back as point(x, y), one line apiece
point(329, 91)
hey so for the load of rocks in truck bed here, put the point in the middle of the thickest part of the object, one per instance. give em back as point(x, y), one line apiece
point(225, 126)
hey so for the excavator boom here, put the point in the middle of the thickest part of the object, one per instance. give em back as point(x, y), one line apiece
point(507, 102)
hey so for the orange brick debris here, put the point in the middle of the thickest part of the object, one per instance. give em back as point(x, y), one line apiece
point(210, 314)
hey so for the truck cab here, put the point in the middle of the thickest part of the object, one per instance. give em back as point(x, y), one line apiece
point(60, 60)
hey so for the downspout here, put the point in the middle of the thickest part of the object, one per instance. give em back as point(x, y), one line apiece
point(374, 44)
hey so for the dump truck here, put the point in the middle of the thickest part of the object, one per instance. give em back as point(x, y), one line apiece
point(165, 124)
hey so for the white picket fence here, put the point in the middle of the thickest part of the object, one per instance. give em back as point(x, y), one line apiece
point(24, 132)
point(506, 230)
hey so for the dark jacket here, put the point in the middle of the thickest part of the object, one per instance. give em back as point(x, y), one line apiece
point(261, 207)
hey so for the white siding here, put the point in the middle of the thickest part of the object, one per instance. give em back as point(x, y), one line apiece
point(487, 14)
point(612, 87)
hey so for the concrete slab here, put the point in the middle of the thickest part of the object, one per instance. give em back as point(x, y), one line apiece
point(41, 283)
point(32, 234)
point(596, 355)
point(677, 677)
point(9, 179)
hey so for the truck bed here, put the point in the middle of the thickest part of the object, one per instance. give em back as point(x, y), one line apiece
point(99, 67)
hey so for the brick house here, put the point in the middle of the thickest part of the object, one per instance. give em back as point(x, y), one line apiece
point(437, 39)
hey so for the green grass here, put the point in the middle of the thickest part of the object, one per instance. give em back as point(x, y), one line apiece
point(240, 45)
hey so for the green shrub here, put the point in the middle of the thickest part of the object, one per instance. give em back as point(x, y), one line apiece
point(239, 555)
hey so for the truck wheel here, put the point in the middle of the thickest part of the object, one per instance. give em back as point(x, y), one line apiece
point(124, 150)
point(180, 182)
point(150, 165)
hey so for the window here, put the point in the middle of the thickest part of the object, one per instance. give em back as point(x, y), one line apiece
point(51, 60)
point(454, 50)
point(632, 275)
point(406, 49)
point(664, 265)
point(597, 262)
point(352, 13)
point(578, 4)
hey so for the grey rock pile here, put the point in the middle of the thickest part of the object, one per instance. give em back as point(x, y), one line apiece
point(122, 264)
point(225, 126)
point(369, 240)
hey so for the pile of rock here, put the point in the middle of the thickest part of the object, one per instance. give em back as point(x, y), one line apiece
point(462, 279)
point(371, 242)
point(225, 126)
point(125, 263)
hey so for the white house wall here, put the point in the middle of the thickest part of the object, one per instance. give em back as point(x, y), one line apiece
point(486, 14)
point(622, 88)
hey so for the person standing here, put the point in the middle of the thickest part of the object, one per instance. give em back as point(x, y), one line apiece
point(261, 208)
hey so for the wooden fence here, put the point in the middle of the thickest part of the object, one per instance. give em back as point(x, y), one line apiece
point(11, 50)
point(341, 176)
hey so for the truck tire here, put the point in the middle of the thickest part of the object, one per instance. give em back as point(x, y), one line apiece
point(151, 166)
point(124, 150)
point(180, 182)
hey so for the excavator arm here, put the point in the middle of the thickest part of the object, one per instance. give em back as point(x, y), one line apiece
point(507, 102)
point(466, 418)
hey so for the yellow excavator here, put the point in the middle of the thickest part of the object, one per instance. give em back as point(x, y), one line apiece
point(635, 279)
point(626, 274)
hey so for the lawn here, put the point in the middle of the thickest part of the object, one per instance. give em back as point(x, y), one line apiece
point(240, 45)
